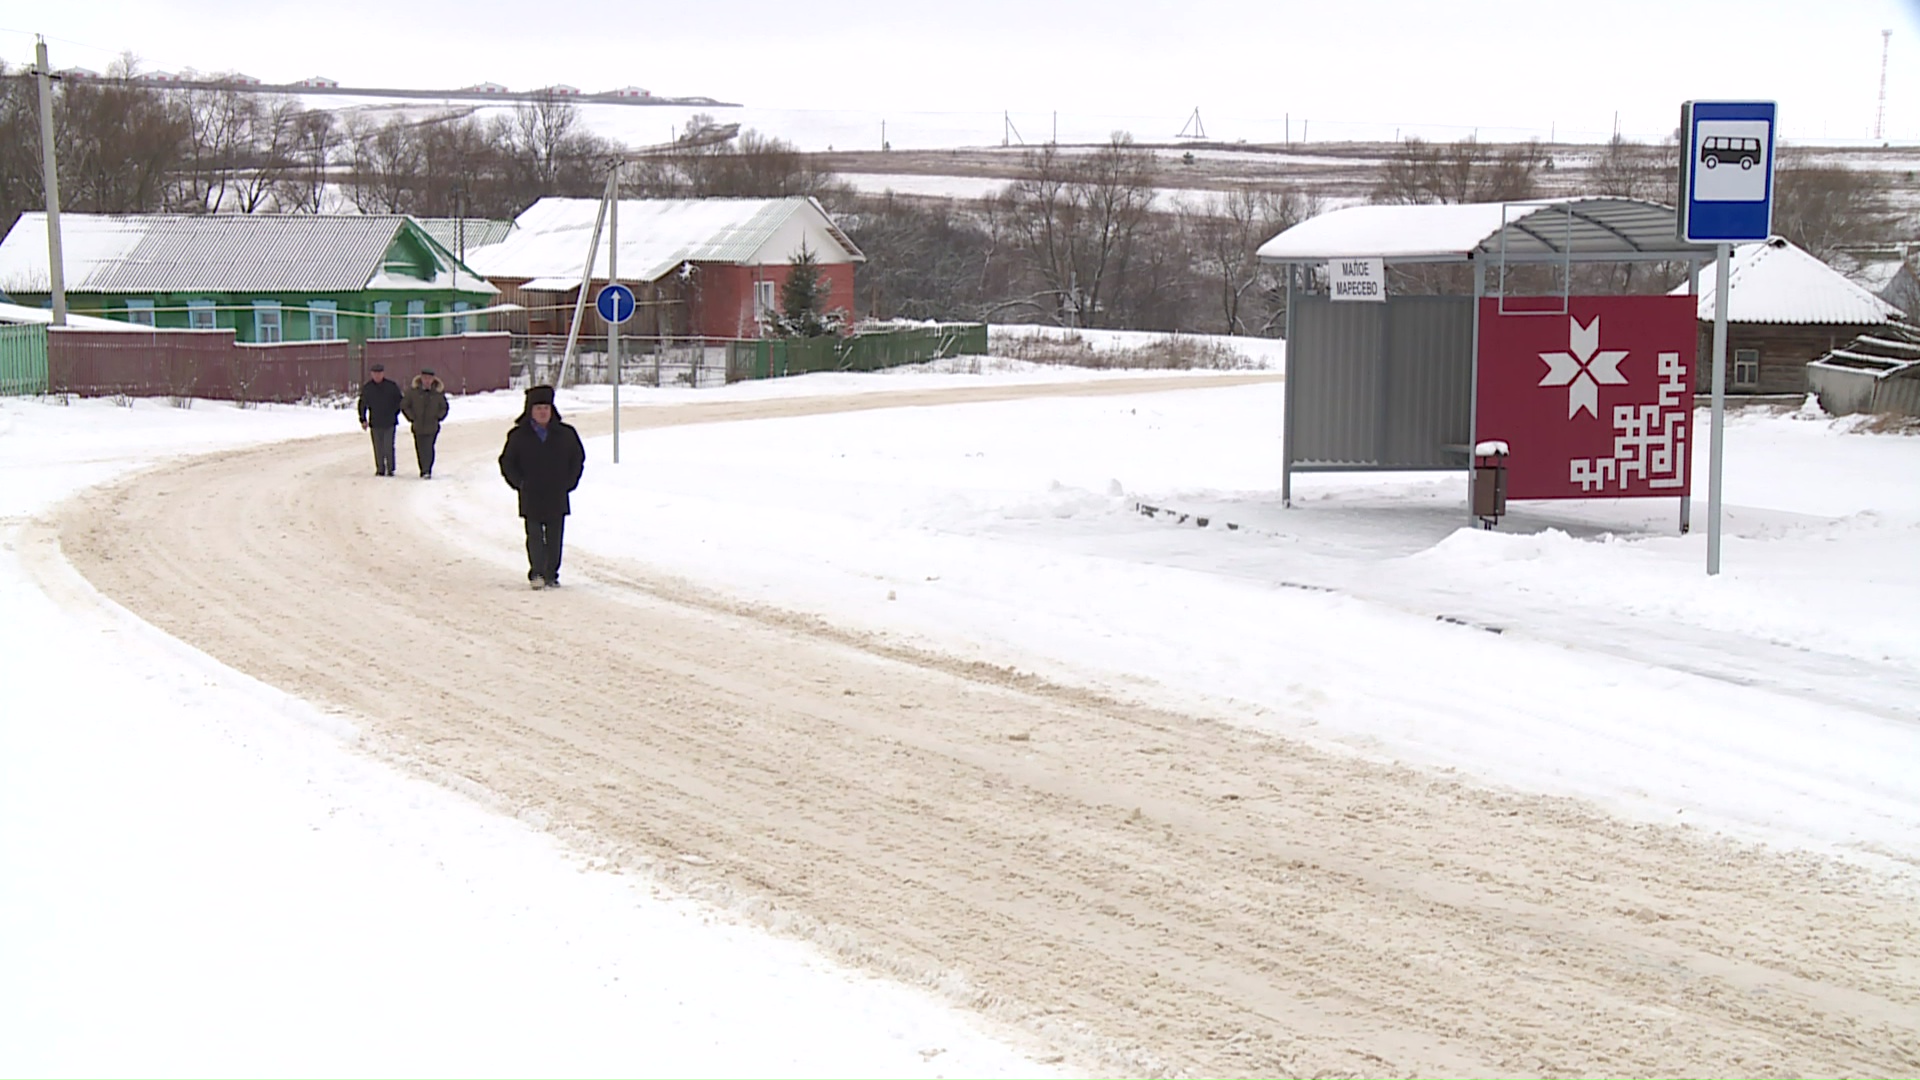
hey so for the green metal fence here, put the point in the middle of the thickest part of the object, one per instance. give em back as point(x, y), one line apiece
point(23, 360)
point(771, 358)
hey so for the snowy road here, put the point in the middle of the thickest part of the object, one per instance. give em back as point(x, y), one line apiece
point(1145, 890)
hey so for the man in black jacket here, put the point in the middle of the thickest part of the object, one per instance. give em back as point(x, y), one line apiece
point(543, 460)
point(380, 414)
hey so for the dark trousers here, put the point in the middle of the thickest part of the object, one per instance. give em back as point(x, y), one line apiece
point(382, 450)
point(543, 548)
point(423, 449)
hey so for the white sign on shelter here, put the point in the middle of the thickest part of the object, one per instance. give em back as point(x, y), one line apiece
point(1357, 279)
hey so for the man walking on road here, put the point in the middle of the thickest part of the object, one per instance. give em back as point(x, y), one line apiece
point(543, 460)
point(380, 414)
point(425, 405)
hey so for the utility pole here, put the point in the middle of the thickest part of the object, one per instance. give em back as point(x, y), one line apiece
point(1880, 116)
point(580, 300)
point(613, 279)
point(50, 175)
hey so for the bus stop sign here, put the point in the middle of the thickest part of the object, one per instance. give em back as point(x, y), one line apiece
point(1726, 171)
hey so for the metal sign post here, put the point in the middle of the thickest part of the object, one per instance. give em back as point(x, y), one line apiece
point(613, 282)
point(1719, 429)
point(1726, 198)
point(616, 305)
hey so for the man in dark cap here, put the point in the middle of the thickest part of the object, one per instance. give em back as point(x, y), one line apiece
point(380, 414)
point(543, 460)
point(425, 405)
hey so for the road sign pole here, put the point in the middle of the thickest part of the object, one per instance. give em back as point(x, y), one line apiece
point(613, 280)
point(1727, 160)
point(1717, 439)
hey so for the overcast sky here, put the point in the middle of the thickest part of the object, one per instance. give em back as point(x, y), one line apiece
point(1431, 66)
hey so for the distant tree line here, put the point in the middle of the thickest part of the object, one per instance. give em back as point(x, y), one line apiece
point(1082, 237)
point(128, 146)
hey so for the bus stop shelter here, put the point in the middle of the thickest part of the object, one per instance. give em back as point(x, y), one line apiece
point(1392, 385)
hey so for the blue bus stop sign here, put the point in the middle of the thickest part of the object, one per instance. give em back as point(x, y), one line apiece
point(615, 303)
point(1726, 171)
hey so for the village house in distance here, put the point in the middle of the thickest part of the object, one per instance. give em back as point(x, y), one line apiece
point(267, 277)
point(699, 267)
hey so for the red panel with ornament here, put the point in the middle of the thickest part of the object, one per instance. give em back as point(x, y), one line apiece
point(1594, 403)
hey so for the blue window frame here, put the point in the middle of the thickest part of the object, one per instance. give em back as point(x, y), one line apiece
point(416, 318)
point(267, 328)
point(201, 315)
point(140, 312)
point(323, 320)
point(383, 319)
point(459, 320)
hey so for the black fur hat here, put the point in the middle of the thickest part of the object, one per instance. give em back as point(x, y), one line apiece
point(539, 395)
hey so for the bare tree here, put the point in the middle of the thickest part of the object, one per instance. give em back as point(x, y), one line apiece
point(1634, 170)
point(219, 136)
point(1825, 208)
point(382, 162)
point(1467, 171)
point(267, 152)
point(926, 259)
point(1226, 233)
point(118, 142)
point(302, 188)
point(560, 157)
point(1074, 220)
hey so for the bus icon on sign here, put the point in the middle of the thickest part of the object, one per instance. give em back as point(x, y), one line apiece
point(1715, 149)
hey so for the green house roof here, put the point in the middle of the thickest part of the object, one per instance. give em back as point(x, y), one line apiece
point(149, 253)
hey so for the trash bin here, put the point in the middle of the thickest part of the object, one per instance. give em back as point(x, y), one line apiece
point(1489, 482)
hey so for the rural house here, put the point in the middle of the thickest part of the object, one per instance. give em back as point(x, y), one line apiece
point(699, 267)
point(267, 277)
point(1785, 310)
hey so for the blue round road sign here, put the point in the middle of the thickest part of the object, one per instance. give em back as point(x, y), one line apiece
point(615, 303)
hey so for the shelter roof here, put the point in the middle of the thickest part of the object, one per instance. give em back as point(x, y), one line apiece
point(1777, 282)
point(548, 245)
point(1535, 230)
point(138, 253)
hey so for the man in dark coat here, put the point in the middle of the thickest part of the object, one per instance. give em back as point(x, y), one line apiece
point(425, 405)
point(380, 414)
point(543, 460)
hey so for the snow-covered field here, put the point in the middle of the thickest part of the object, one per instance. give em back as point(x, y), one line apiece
point(199, 873)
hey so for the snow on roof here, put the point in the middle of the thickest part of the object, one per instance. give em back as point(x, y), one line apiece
point(22, 315)
point(137, 253)
point(549, 241)
point(1451, 232)
point(1776, 282)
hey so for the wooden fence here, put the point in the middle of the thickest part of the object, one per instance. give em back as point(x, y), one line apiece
point(211, 364)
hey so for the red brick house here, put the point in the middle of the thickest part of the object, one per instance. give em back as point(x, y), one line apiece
point(699, 267)
point(1786, 309)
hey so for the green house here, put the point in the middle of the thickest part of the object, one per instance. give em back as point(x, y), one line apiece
point(266, 277)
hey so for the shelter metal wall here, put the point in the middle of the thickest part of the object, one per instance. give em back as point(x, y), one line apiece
point(1383, 386)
